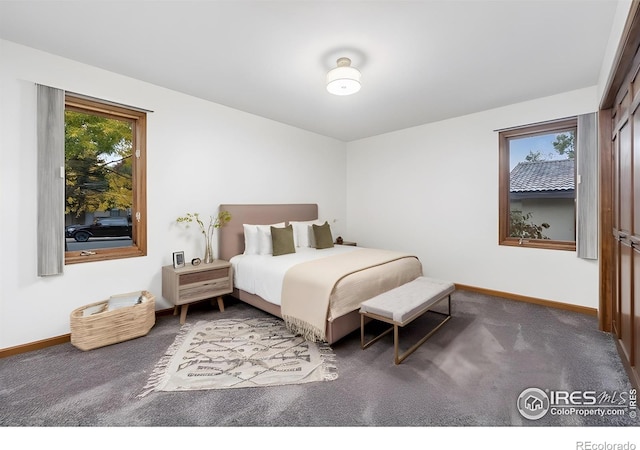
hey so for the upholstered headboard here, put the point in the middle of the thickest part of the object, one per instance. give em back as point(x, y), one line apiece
point(231, 236)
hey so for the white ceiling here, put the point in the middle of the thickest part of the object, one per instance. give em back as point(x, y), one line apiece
point(421, 61)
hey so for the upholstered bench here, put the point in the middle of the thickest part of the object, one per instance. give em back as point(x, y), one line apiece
point(402, 305)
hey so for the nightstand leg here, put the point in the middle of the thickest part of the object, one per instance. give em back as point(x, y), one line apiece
point(183, 313)
point(221, 303)
point(175, 310)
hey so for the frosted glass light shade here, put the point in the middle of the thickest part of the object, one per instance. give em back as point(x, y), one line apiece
point(344, 79)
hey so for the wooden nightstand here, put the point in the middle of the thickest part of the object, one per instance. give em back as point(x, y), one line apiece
point(194, 283)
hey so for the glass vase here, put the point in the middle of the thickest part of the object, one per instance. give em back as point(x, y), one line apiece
point(208, 252)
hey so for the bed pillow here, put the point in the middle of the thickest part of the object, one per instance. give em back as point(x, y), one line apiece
point(322, 235)
point(265, 246)
point(250, 239)
point(303, 233)
point(282, 240)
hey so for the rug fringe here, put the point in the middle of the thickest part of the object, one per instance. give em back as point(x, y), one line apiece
point(159, 371)
point(304, 329)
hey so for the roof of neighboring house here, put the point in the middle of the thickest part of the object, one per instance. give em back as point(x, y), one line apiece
point(555, 175)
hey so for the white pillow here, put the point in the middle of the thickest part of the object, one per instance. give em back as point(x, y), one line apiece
point(265, 245)
point(250, 239)
point(303, 233)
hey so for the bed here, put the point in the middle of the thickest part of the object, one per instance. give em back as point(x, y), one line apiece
point(384, 270)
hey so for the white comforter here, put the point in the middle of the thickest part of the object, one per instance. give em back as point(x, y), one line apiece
point(263, 274)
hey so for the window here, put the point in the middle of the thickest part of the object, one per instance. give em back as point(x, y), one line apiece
point(105, 180)
point(538, 185)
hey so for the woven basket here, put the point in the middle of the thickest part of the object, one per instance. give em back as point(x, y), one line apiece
point(110, 327)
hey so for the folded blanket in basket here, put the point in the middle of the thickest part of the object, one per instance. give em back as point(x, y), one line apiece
point(94, 309)
point(124, 300)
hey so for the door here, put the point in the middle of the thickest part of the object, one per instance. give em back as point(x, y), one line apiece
point(619, 207)
point(623, 222)
point(622, 228)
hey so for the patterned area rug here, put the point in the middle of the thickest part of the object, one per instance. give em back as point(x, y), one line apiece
point(237, 353)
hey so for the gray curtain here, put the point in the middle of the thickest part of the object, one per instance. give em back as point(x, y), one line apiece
point(587, 187)
point(51, 180)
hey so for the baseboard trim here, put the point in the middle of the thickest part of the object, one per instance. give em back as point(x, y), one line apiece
point(38, 345)
point(50, 342)
point(464, 287)
point(534, 300)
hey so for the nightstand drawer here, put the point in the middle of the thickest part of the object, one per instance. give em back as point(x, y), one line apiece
point(204, 290)
point(189, 284)
point(204, 275)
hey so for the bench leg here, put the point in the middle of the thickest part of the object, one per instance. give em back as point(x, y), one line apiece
point(364, 344)
point(396, 338)
point(399, 358)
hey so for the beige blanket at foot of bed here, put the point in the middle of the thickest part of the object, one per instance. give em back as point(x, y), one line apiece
point(307, 287)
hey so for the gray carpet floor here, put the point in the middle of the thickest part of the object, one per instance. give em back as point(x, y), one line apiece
point(468, 374)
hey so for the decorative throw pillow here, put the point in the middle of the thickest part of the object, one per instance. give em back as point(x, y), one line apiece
point(322, 235)
point(282, 240)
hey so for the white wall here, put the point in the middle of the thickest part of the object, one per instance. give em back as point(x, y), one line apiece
point(200, 155)
point(433, 190)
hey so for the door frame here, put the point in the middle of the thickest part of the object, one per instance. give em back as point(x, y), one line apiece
point(623, 68)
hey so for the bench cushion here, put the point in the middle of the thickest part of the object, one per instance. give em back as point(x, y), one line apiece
point(401, 303)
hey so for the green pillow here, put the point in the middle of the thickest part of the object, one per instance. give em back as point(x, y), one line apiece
point(282, 240)
point(322, 233)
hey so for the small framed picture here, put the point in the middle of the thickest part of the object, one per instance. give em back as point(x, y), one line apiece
point(178, 260)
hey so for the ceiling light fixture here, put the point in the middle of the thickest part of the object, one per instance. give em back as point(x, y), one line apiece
point(344, 79)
